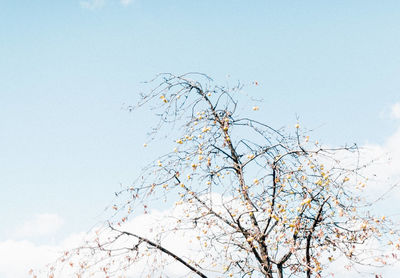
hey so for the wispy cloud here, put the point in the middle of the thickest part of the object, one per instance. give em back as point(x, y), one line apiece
point(98, 4)
point(126, 2)
point(395, 111)
point(92, 4)
point(40, 225)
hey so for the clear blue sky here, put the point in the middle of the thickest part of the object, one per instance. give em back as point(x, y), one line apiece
point(66, 71)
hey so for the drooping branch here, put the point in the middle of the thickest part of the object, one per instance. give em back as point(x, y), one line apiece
point(162, 249)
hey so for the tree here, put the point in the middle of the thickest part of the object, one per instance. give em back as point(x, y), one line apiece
point(253, 201)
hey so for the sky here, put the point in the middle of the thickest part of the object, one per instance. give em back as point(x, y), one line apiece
point(68, 70)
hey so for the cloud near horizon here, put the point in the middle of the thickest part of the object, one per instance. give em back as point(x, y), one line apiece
point(20, 256)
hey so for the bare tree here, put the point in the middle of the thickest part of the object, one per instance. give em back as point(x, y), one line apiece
point(253, 201)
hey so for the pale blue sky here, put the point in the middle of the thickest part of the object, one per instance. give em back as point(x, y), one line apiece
point(66, 71)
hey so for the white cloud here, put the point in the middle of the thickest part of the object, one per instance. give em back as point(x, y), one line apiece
point(20, 256)
point(383, 160)
point(97, 4)
point(40, 225)
point(126, 2)
point(395, 111)
point(17, 257)
point(92, 4)
point(386, 164)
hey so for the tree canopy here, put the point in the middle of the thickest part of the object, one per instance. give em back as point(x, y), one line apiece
point(249, 200)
